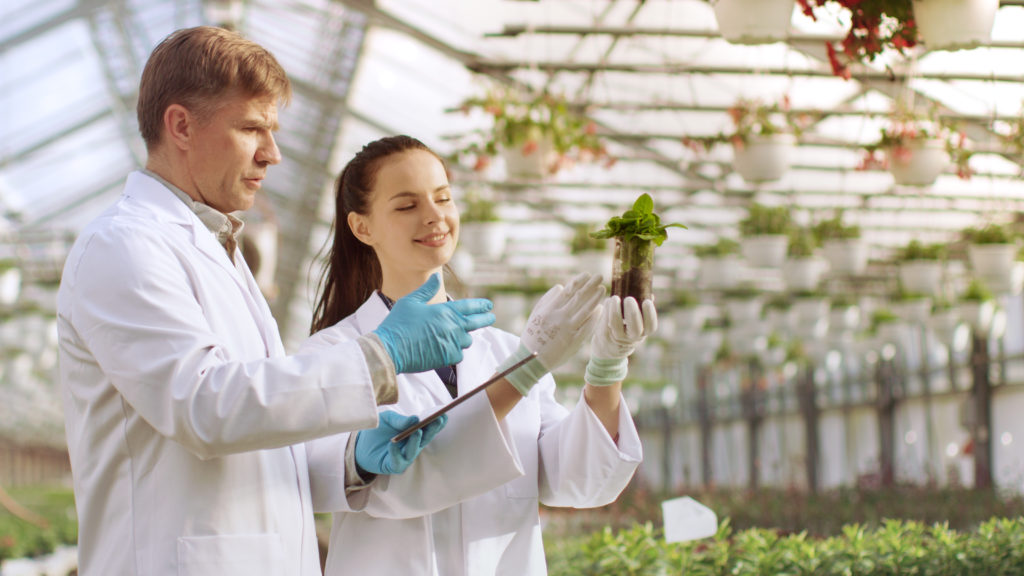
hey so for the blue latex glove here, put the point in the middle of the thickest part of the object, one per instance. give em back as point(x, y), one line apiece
point(377, 454)
point(420, 336)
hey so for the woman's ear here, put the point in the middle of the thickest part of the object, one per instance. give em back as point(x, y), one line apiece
point(360, 227)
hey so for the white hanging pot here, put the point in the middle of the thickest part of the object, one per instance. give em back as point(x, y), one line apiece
point(802, 274)
point(765, 251)
point(753, 21)
point(483, 239)
point(955, 24)
point(978, 315)
point(944, 324)
point(536, 165)
point(844, 319)
point(846, 257)
point(743, 310)
point(721, 273)
point(915, 311)
point(919, 163)
point(992, 262)
point(763, 158)
point(921, 276)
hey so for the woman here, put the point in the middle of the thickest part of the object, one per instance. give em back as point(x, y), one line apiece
point(468, 504)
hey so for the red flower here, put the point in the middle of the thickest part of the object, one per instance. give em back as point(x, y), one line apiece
point(482, 162)
point(529, 148)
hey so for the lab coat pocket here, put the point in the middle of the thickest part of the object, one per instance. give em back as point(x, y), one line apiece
point(231, 555)
point(524, 426)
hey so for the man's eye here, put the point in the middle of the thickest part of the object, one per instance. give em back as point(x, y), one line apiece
point(405, 208)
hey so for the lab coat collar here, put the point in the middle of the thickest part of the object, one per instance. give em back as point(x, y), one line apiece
point(164, 206)
point(167, 207)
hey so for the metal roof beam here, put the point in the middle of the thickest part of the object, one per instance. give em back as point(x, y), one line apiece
point(81, 9)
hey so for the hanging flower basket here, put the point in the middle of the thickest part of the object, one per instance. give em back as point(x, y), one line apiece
point(955, 24)
point(918, 163)
point(753, 21)
point(531, 161)
point(763, 158)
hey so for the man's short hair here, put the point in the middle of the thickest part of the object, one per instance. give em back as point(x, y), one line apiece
point(198, 67)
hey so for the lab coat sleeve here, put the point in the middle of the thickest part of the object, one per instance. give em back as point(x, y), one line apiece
point(472, 455)
point(580, 465)
point(136, 310)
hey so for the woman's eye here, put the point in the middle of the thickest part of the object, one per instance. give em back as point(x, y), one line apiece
point(406, 208)
point(443, 200)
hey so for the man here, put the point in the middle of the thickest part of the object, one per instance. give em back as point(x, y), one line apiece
point(184, 417)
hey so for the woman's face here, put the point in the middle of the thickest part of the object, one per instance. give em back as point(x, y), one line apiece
point(413, 224)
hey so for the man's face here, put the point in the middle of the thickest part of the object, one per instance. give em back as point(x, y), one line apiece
point(231, 152)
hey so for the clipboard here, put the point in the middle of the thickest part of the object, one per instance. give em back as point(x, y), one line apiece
point(462, 398)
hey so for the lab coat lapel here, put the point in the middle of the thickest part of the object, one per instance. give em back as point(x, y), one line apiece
point(170, 209)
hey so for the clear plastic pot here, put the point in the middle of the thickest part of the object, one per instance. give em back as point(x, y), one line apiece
point(633, 269)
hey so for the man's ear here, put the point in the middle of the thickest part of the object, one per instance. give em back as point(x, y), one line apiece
point(178, 126)
point(360, 228)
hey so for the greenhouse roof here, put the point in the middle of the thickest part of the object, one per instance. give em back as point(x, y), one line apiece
point(651, 75)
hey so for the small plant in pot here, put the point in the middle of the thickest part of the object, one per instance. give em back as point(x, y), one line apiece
point(637, 232)
point(481, 230)
point(765, 233)
point(842, 246)
point(921, 267)
point(977, 305)
point(802, 270)
point(720, 266)
point(991, 251)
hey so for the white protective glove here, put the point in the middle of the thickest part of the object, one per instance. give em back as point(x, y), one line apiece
point(560, 322)
point(616, 337)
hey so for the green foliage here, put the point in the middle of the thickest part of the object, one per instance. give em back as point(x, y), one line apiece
point(882, 316)
point(989, 234)
point(895, 548)
point(639, 222)
point(522, 121)
point(977, 292)
point(915, 250)
point(752, 118)
point(684, 299)
point(834, 229)
point(584, 241)
point(22, 539)
point(802, 243)
point(724, 247)
point(763, 220)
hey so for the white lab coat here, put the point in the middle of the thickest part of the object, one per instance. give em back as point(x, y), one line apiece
point(468, 505)
point(180, 405)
